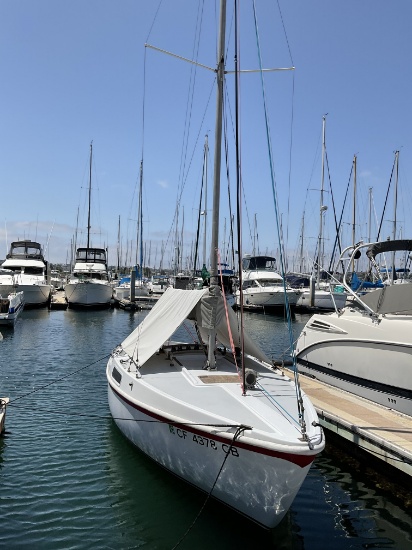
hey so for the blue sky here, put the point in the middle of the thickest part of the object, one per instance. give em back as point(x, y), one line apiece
point(75, 72)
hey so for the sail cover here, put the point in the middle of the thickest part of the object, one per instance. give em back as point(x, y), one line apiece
point(211, 311)
point(168, 314)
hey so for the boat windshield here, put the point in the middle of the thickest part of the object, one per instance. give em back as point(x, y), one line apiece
point(91, 275)
point(30, 270)
point(92, 255)
point(270, 282)
point(259, 262)
point(25, 249)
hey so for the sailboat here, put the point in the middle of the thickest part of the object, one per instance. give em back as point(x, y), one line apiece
point(322, 296)
point(88, 284)
point(218, 415)
point(134, 287)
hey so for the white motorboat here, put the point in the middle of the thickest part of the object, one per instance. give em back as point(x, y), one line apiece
point(367, 347)
point(26, 270)
point(89, 283)
point(124, 289)
point(159, 284)
point(263, 287)
point(222, 418)
point(3, 407)
point(330, 298)
point(10, 308)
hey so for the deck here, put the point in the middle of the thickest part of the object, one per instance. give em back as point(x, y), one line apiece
point(384, 433)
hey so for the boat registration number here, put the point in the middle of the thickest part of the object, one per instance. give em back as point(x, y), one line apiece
point(203, 441)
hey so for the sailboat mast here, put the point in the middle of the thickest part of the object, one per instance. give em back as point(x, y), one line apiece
point(354, 203)
point(370, 216)
point(220, 75)
point(395, 206)
point(301, 245)
point(322, 206)
point(214, 277)
point(90, 195)
point(354, 209)
point(206, 153)
point(141, 219)
point(118, 247)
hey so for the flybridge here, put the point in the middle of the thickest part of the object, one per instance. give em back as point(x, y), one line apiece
point(91, 255)
point(25, 249)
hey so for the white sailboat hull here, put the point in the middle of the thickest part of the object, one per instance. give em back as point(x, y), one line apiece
point(174, 417)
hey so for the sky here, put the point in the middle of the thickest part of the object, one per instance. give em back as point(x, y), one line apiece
point(78, 72)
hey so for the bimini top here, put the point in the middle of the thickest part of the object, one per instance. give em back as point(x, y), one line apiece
point(26, 249)
point(388, 246)
point(91, 255)
point(259, 262)
point(171, 310)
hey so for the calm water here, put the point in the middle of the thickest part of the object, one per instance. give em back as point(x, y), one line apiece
point(69, 480)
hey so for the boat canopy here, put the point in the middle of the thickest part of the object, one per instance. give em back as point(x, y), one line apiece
point(171, 310)
point(25, 249)
point(388, 246)
point(91, 255)
point(259, 262)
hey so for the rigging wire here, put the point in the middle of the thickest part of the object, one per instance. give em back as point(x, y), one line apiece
point(291, 122)
point(386, 200)
point(282, 262)
point(190, 99)
point(58, 379)
point(340, 223)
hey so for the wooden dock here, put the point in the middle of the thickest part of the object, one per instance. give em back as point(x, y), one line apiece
point(374, 429)
point(58, 300)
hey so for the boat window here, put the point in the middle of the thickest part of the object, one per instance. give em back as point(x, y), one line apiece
point(259, 262)
point(116, 375)
point(92, 255)
point(29, 270)
point(270, 282)
point(19, 250)
point(33, 250)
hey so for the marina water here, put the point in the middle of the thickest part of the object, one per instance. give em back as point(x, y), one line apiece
point(69, 480)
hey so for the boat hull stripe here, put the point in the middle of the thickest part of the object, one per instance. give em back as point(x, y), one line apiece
point(299, 460)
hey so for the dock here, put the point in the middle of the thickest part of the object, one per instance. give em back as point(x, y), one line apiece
point(58, 300)
point(141, 302)
point(379, 431)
